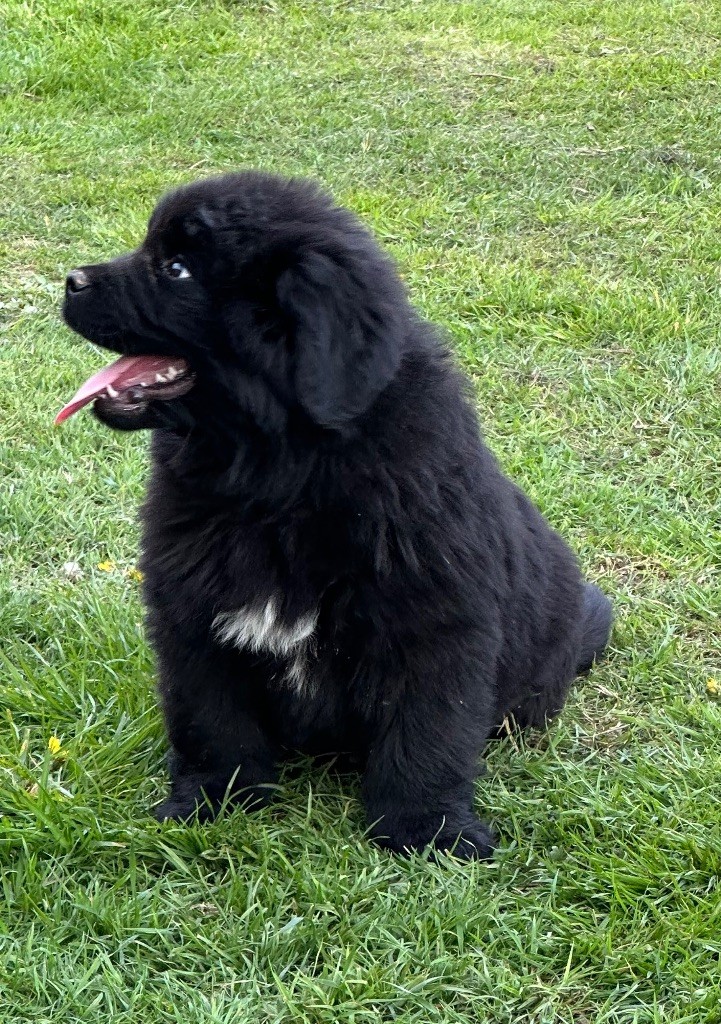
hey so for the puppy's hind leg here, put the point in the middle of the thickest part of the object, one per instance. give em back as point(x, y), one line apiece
point(551, 688)
point(219, 750)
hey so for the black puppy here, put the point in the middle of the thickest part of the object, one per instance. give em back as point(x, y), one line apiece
point(333, 560)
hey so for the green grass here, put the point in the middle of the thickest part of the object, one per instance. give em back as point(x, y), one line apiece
point(547, 174)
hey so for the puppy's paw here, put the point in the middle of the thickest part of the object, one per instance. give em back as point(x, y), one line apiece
point(182, 810)
point(469, 840)
point(475, 841)
point(201, 807)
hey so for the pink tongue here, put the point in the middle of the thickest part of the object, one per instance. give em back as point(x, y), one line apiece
point(121, 375)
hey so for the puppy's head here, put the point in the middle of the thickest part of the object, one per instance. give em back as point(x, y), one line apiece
point(251, 295)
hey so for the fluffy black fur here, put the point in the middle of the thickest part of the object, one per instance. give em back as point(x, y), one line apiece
point(328, 459)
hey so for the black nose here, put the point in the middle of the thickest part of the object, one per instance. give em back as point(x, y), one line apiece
point(76, 281)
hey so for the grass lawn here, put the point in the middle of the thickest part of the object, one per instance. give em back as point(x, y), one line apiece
point(547, 174)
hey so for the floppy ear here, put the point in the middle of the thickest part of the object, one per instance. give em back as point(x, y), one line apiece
point(346, 321)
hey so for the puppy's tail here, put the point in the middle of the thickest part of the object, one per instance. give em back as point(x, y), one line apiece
point(597, 621)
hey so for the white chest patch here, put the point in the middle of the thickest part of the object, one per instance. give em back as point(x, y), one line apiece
point(261, 631)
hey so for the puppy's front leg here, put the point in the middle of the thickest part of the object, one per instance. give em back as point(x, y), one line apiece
point(219, 749)
point(418, 785)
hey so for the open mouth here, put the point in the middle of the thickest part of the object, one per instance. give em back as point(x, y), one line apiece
point(131, 382)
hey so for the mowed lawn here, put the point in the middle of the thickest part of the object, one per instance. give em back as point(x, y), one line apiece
point(548, 175)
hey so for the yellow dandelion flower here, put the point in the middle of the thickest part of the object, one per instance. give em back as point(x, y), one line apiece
point(106, 566)
point(135, 574)
point(54, 745)
point(713, 687)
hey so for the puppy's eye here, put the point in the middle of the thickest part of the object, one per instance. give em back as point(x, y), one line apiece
point(176, 269)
